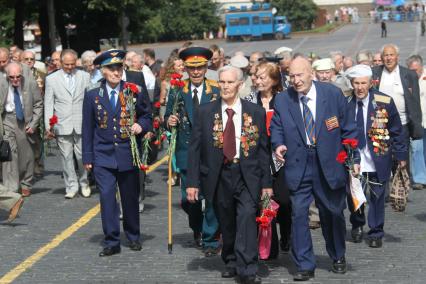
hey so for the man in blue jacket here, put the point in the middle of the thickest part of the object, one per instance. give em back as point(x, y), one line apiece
point(107, 149)
point(311, 119)
point(380, 136)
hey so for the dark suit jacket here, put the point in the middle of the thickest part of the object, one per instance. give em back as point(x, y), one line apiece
point(137, 78)
point(287, 128)
point(397, 143)
point(210, 92)
point(410, 84)
point(206, 160)
point(102, 142)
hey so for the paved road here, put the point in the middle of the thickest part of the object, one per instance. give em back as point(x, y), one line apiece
point(349, 39)
point(75, 260)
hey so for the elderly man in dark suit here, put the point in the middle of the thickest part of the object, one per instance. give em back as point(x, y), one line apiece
point(402, 85)
point(311, 119)
point(379, 137)
point(229, 161)
point(107, 149)
point(21, 113)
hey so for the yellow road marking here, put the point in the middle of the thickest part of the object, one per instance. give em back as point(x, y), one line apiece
point(68, 232)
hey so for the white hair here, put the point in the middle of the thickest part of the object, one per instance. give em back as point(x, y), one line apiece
point(88, 55)
point(237, 71)
point(394, 46)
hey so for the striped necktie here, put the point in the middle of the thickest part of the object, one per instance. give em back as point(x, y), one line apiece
point(308, 120)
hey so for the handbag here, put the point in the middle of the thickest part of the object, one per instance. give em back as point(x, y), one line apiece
point(5, 152)
point(399, 189)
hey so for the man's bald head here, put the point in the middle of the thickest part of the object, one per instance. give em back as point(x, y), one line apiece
point(14, 73)
point(301, 74)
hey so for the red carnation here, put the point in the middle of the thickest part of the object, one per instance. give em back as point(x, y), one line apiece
point(342, 156)
point(176, 76)
point(53, 120)
point(157, 142)
point(181, 84)
point(156, 124)
point(163, 137)
point(157, 105)
point(353, 143)
point(133, 87)
point(144, 167)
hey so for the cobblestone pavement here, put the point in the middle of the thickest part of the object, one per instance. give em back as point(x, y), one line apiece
point(46, 213)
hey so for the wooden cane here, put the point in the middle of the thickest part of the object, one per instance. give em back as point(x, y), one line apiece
point(170, 241)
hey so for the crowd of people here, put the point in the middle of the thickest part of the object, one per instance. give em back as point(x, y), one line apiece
point(249, 127)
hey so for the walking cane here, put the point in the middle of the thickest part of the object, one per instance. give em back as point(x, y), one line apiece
point(169, 205)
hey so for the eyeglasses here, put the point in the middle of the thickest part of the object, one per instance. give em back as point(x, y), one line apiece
point(14, 77)
point(29, 59)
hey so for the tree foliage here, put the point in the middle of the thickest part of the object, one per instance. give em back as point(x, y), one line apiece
point(301, 13)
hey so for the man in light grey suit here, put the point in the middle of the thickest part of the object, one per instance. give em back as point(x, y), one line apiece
point(64, 98)
point(23, 107)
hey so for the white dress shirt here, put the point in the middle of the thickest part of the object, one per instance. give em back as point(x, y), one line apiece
point(149, 77)
point(10, 101)
point(116, 89)
point(367, 163)
point(312, 105)
point(422, 85)
point(69, 80)
point(237, 122)
point(200, 89)
point(391, 85)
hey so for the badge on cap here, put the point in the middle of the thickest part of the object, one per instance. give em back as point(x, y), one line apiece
point(332, 123)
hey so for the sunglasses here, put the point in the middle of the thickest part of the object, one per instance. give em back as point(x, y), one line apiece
point(14, 77)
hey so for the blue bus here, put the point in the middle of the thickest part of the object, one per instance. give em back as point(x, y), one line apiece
point(256, 23)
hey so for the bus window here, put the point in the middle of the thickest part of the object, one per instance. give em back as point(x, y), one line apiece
point(233, 22)
point(255, 20)
point(265, 20)
point(244, 21)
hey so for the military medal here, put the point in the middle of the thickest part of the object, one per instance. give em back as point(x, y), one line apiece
point(332, 123)
point(378, 132)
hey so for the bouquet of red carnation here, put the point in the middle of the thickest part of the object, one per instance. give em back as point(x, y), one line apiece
point(268, 213)
point(52, 121)
point(158, 132)
point(347, 156)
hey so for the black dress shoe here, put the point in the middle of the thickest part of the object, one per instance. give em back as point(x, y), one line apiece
point(251, 279)
point(108, 251)
point(339, 266)
point(198, 240)
point(209, 252)
point(375, 243)
point(136, 245)
point(229, 273)
point(357, 234)
point(304, 275)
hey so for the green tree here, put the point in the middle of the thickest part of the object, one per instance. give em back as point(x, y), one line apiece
point(301, 13)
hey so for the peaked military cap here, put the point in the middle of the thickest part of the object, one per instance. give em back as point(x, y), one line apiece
point(110, 57)
point(195, 56)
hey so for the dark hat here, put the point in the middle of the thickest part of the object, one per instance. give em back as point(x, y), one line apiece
point(195, 56)
point(110, 57)
point(273, 59)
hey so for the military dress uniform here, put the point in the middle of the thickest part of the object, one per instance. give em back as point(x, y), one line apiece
point(207, 224)
point(106, 145)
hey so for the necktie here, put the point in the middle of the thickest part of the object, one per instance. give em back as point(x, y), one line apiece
point(112, 99)
point(70, 82)
point(308, 120)
point(360, 125)
point(229, 144)
point(18, 105)
point(195, 101)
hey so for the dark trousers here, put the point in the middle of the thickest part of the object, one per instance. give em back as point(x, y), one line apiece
point(236, 211)
point(376, 209)
point(205, 223)
point(282, 196)
point(128, 184)
point(330, 203)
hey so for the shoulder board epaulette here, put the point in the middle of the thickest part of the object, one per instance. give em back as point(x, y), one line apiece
point(93, 86)
point(382, 99)
point(212, 83)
